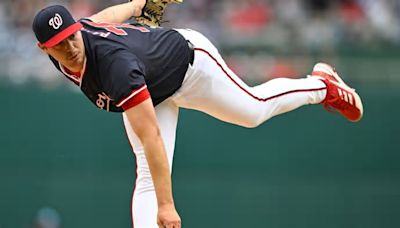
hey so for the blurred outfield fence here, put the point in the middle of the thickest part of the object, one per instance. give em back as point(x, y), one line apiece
point(305, 169)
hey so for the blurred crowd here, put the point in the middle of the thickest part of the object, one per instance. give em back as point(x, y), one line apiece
point(285, 26)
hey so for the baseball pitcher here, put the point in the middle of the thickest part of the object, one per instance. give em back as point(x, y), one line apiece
point(147, 73)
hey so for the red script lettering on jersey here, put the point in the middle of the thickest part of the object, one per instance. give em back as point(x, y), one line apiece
point(116, 28)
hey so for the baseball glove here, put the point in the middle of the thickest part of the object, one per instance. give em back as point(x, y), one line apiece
point(153, 12)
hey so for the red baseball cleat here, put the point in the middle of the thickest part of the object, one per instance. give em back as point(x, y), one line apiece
point(339, 96)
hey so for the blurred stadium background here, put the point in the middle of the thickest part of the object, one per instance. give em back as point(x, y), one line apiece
point(67, 164)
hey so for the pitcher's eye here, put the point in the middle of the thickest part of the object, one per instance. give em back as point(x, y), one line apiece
point(59, 45)
point(72, 36)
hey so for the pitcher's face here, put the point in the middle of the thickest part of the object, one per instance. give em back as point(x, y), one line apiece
point(70, 52)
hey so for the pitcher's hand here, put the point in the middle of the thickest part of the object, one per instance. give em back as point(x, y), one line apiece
point(168, 217)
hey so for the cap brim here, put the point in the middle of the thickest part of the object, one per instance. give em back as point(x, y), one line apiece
point(63, 35)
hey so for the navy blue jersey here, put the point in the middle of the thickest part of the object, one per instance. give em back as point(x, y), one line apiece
point(123, 60)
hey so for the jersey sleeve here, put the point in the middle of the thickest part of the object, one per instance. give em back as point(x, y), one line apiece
point(122, 75)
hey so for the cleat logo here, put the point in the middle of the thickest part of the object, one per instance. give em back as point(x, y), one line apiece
point(347, 97)
point(340, 93)
point(350, 98)
point(56, 21)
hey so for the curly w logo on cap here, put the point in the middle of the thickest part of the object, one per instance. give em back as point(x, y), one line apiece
point(56, 21)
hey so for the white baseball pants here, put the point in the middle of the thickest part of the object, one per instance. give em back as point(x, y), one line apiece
point(211, 87)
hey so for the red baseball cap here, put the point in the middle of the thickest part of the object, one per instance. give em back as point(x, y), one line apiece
point(53, 24)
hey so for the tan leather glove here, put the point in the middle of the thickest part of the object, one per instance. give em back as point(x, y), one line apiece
point(153, 12)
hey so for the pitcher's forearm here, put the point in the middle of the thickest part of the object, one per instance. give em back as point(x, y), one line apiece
point(159, 169)
point(120, 13)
